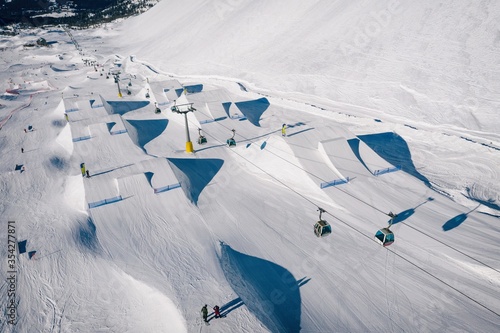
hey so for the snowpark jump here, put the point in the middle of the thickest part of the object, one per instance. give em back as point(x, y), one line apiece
point(148, 233)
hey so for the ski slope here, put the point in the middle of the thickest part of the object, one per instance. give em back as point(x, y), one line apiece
point(155, 232)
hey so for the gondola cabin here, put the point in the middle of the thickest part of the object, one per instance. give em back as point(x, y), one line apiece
point(322, 228)
point(231, 142)
point(385, 236)
point(202, 140)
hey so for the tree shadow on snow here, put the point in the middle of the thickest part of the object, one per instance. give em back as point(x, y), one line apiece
point(268, 290)
point(194, 174)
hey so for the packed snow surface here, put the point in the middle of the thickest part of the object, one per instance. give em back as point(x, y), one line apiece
point(389, 106)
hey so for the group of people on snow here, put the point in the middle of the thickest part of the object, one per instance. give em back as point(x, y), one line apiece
point(204, 312)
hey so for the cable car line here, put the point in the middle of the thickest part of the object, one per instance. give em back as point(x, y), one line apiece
point(451, 247)
point(304, 170)
point(354, 197)
point(417, 266)
point(369, 237)
point(386, 231)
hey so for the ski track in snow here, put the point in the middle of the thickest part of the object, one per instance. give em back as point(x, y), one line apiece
point(155, 233)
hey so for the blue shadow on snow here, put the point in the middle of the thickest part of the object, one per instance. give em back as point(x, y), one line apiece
point(393, 148)
point(110, 125)
point(457, 220)
point(268, 290)
point(253, 110)
point(354, 144)
point(454, 222)
point(194, 174)
point(122, 107)
point(86, 235)
point(195, 88)
point(144, 131)
point(403, 215)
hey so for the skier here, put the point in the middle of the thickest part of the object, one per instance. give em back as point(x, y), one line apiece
point(88, 174)
point(204, 313)
point(217, 311)
point(22, 150)
point(283, 130)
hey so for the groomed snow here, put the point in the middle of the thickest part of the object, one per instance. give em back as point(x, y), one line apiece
point(389, 106)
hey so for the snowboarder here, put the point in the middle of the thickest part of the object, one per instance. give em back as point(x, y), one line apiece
point(217, 311)
point(204, 313)
point(283, 130)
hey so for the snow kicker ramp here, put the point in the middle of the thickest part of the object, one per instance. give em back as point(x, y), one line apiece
point(194, 174)
point(259, 283)
point(351, 157)
point(122, 107)
point(166, 91)
point(144, 131)
point(213, 105)
point(369, 158)
point(253, 109)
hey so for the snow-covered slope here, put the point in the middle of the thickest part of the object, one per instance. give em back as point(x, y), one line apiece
point(428, 65)
point(388, 107)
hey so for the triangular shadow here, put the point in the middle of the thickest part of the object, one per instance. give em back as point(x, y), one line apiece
point(144, 131)
point(394, 149)
point(268, 290)
point(194, 174)
point(253, 110)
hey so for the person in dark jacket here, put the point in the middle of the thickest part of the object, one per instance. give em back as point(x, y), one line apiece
point(204, 313)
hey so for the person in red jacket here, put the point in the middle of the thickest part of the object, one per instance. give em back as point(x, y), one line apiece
point(217, 311)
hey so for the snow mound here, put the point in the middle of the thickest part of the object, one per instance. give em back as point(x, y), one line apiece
point(194, 174)
point(144, 131)
point(268, 290)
